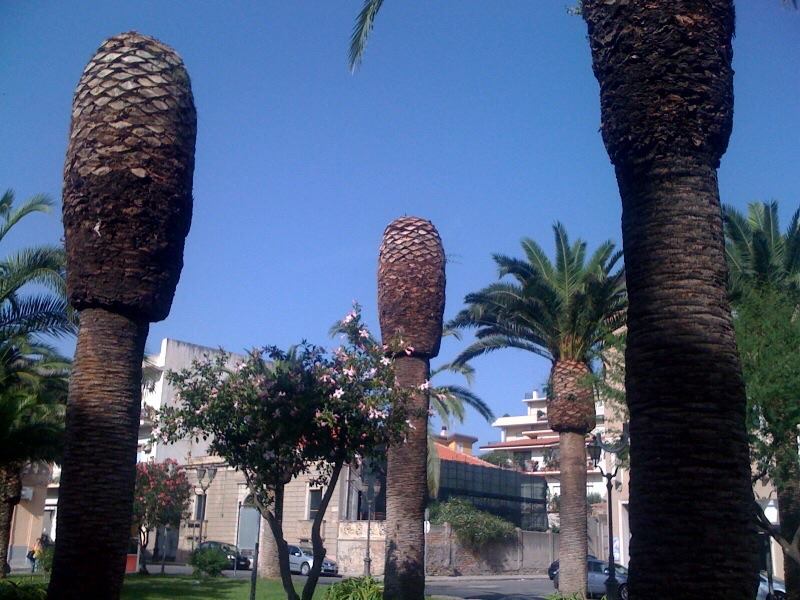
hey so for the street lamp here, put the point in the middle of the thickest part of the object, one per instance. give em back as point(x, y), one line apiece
point(204, 478)
point(597, 445)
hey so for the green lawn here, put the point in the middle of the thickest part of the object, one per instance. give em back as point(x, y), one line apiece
point(171, 587)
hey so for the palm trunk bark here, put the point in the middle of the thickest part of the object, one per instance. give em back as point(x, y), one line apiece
point(407, 492)
point(268, 563)
point(10, 491)
point(570, 412)
point(102, 427)
point(572, 539)
point(666, 95)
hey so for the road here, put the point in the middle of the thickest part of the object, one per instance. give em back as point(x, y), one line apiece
point(491, 588)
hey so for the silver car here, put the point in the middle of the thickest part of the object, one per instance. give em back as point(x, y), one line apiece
point(301, 559)
point(597, 571)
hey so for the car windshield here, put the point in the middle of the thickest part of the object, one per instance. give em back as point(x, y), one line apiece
point(306, 550)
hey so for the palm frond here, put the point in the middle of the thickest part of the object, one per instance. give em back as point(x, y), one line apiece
point(361, 31)
point(11, 216)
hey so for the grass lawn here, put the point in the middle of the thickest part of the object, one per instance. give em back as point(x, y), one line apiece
point(172, 587)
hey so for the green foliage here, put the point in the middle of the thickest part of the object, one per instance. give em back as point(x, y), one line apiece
point(10, 590)
point(560, 310)
point(501, 458)
point(46, 560)
point(594, 498)
point(209, 562)
point(474, 528)
point(768, 334)
point(356, 588)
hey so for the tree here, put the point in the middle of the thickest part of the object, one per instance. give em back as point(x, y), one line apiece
point(161, 499)
point(127, 210)
point(32, 374)
point(411, 296)
point(564, 311)
point(666, 99)
point(32, 398)
point(764, 276)
point(281, 414)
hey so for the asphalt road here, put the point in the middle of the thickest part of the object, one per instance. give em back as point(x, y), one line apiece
point(490, 588)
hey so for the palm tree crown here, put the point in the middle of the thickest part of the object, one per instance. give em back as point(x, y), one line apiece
point(757, 251)
point(561, 311)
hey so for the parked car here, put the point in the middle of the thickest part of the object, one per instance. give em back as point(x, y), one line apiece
point(778, 589)
point(231, 551)
point(301, 559)
point(553, 568)
point(597, 571)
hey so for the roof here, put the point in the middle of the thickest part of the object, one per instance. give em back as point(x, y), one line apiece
point(446, 453)
point(518, 420)
point(548, 442)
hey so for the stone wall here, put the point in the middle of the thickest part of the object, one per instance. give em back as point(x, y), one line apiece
point(530, 552)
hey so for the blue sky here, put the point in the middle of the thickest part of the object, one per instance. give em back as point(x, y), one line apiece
point(480, 116)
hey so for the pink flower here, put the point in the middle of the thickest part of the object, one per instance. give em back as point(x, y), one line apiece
point(338, 393)
point(385, 361)
point(409, 350)
point(363, 333)
point(424, 385)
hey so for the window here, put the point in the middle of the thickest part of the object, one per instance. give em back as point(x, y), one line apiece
point(200, 507)
point(314, 500)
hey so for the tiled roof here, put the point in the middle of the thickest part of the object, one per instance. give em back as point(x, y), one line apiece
point(446, 453)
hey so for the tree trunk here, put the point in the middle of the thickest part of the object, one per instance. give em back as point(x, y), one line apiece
point(268, 557)
point(788, 488)
point(316, 535)
point(407, 493)
point(666, 92)
point(275, 522)
point(98, 474)
point(570, 411)
point(10, 492)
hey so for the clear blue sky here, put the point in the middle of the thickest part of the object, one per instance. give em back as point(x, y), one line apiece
point(480, 116)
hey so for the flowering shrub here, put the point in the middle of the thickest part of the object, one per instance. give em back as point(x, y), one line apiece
point(161, 498)
point(279, 414)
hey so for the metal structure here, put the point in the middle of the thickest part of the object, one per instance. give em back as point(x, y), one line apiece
point(595, 448)
point(205, 475)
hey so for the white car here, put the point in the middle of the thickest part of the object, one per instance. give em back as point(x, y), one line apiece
point(301, 560)
point(778, 589)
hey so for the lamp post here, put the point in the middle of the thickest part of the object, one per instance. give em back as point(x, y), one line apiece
point(204, 478)
point(597, 445)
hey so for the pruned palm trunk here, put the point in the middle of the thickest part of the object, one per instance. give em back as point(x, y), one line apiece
point(407, 492)
point(100, 456)
point(411, 281)
point(127, 209)
point(571, 413)
point(666, 88)
point(10, 492)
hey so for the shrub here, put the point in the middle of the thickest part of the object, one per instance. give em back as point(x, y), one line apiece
point(209, 561)
point(474, 528)
point(22, 591)
point(357, 588)
point(46, 561)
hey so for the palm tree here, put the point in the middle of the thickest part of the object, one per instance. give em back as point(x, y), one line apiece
point(764, 269)
point(563, 311)
point(32, 396)
point(127, 210)
point(411, 282)
point(666, 99)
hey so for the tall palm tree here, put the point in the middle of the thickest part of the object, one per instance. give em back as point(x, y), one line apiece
point(411, 281)
point(32, 396)
point(764, 266)
point(666, 99)
point(563, 311)
point(127, 210)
